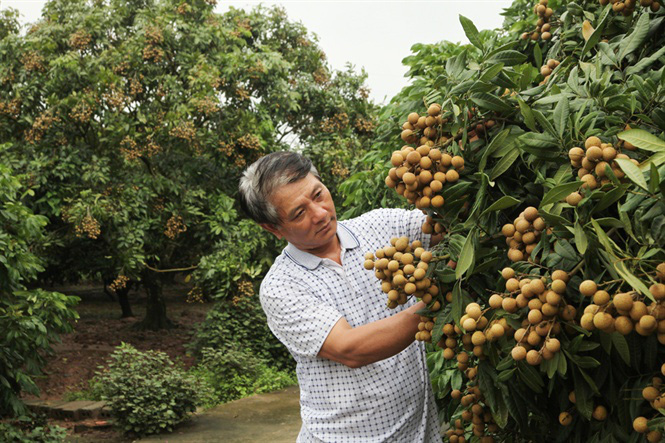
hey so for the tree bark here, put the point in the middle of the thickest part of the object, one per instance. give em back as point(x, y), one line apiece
point(155, 314)
point(123, 299)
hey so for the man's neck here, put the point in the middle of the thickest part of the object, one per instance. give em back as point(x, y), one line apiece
point(332, 251)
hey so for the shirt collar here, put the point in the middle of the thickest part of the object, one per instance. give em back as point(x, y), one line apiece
point(347, 240)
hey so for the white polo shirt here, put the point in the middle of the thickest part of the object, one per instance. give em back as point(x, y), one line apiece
point(304, 296)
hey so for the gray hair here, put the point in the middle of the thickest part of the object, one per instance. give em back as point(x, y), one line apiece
point(265, 175)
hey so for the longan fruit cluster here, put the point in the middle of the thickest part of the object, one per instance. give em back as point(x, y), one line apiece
point(535, 340)
point(419, 174)
point(543, 27)
point(627, 7)
point(425, 329)
point(624, 312)
point(477, 413)
point(402, 268)
point(655, 395)
point(423, 126)
point(523, 234)
point(476, 330)
point(547, 68)
point(599, 413)
point(592, 163)
point(431, 226)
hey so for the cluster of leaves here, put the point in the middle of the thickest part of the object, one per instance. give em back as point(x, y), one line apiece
point(610, 83)
point(147, 392)
point(241, 323)
point(133, 121)
point(30, 320)
point(32, 430)
point(235, 372)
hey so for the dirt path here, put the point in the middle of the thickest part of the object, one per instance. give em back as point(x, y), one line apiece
point(273, 417)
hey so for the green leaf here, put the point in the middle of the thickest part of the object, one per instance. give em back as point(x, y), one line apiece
point(561, 113)
point(508, 57)
point(458, 302)
point(504, 163)
point(471, 32)
point(504, 202)
point(581, 241)
point(634, 40)
point(583, 395)
point(654, 179)
point(643, 140)
point(644, 63)
point(491, 72)
point(540, 145)
point(529, 119)
point(491, 102)
point(631, 279)
point(632, 172)
point(558, 193)
point(598, 32)
point(493, 146)
point(610, 197)
point(531, 377)
point(466, 257)
point(621, 345)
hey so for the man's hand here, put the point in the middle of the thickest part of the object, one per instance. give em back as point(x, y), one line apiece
point(366, 344)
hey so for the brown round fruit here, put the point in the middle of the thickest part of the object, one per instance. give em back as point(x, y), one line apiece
point(640, 425)
point(588, 288)
point(565, 419)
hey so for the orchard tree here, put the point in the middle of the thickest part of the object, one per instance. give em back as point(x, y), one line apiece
point(30, 319)
point(133, 121)
point(540, 153)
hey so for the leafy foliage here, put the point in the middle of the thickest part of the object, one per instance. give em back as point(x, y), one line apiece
point(513, 108)
point(30, 320)
point(147, 392)
point(133, 121)
point(235, 372)
point(32, 430)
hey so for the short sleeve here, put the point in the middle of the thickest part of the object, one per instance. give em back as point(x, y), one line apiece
point(400, 223)
point(297, 317)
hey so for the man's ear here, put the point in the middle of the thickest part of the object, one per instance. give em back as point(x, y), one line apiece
point(273, 229)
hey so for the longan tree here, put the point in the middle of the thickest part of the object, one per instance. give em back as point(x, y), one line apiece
point(133, 121)
point(548, 321)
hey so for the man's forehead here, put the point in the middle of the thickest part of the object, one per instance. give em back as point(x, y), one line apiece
point(290, 195)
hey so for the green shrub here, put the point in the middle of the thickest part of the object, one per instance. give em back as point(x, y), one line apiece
point(243, 323)
point(31, 430)
point(147, 392)
point(236, 373)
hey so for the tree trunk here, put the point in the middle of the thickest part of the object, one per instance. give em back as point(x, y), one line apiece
point(155, 314)
point(123, 299)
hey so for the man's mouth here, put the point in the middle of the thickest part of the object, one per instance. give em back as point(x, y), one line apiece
point(327, 225)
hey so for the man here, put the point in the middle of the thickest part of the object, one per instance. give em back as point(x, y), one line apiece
point(361, 375)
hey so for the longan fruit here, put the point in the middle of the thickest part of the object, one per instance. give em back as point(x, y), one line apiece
point(533, 357)
point(426, 256)
point(512, 284)
point(565, 419)
point(452, 176)
point(600, 413)
point(457, 162)
point(559, 286)
point(576, 154)
point(623, 325)
point(434, 109)
point(588, 288)
point(640, 425)
point(437, 201)
point(553, 345)
point(507, 273)
point(660, 271)
point(592, 141)
point(509, 304)
point(658, 291)
point(650, 393)
point(601, 297)
point(654, 436)
point(495, 301)
point(518, 353)
point(508, 230)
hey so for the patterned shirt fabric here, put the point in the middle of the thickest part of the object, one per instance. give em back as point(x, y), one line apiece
point(304, 296)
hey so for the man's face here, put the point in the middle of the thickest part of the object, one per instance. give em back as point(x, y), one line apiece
point(307, 214)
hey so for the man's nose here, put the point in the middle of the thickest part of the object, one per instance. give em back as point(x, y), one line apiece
point(319, 214)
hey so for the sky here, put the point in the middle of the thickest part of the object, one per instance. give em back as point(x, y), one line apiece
point(374, 35)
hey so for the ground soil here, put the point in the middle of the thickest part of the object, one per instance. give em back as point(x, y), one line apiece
point(100, 329)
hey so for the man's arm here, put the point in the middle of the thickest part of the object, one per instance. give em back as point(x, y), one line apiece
point(366, 344)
